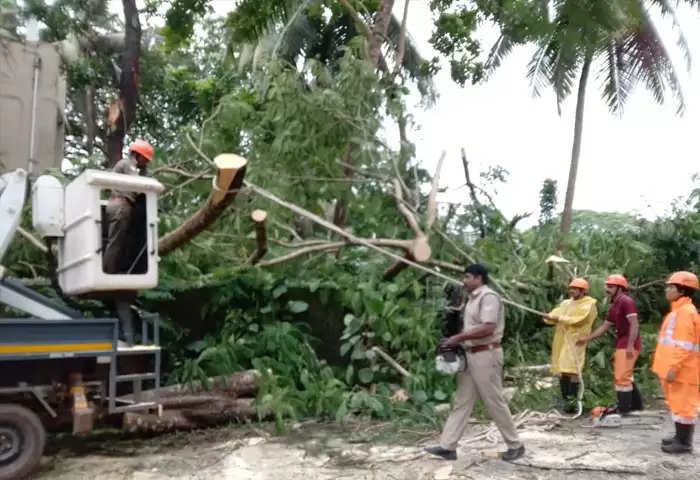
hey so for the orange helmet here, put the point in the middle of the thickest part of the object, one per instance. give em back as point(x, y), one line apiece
point(684, 279)
point(579, 283)
point(617, 280)
point(142, 147)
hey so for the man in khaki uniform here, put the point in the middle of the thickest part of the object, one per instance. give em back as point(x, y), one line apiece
point(484, 322)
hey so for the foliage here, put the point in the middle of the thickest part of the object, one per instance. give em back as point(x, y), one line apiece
point(310, 325)
point(548, 200)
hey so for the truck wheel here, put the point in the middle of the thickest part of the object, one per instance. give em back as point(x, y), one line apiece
point(22, 440)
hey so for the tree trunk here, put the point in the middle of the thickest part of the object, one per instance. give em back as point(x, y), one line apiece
point(567, 214)
point(241, 384)
point(380, 29)
point(122, 112)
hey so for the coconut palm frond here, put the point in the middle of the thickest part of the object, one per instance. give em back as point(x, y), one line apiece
point(539, 69)
point(564, 67)
point(667, 9)
point(503, 46)
point(650, 62)
point(618, 81)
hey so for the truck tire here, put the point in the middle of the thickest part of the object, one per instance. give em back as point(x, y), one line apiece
point(22, 440)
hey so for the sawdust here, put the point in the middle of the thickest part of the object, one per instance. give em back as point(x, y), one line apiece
point(321, 451)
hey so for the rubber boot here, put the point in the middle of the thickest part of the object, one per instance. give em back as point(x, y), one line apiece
point(565, 388)
point(637, 402)
point(624, 402)
point(572, 406)
point(683, 443)
point(126, 321)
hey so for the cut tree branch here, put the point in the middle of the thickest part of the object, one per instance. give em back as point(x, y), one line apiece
point(407, 215)
point(259, 216)
point(225, 186)
point(472, 193)
point(432, 198)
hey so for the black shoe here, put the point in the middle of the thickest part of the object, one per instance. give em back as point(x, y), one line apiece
point(442, 452)
point(513, 454)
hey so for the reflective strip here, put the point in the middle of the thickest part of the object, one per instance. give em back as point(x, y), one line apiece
point(624, 388)
point(683, 420)
point(669, 341)
point(78, 347)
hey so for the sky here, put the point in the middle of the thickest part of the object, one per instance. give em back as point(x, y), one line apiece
point(638, 162)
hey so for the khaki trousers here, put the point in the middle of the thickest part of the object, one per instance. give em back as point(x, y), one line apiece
point(482, 379)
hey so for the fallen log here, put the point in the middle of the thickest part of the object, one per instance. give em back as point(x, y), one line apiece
point(242, 384)
point(221, 411)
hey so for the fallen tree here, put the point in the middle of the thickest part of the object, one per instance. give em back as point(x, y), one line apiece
point(238, 385)
point(214, 410)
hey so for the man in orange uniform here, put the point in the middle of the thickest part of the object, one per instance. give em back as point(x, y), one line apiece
point(677, 360)
point(623, 316)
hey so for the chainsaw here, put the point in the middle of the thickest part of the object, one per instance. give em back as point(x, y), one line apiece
point(611, 418)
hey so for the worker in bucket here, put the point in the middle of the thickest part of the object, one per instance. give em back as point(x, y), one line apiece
point(573, 319)
point(484, 323)
point(623, 317)
point(677, 360)
point(124, 239)
point(121, 206)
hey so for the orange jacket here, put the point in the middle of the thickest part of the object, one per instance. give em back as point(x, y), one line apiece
point(678, 346)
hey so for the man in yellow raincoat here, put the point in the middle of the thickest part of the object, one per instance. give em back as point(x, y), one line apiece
point(574, 319)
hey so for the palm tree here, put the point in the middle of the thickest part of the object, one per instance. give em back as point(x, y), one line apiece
point(620, 35)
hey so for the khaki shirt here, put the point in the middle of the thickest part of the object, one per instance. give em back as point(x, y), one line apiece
point(127, 166)
point(484, 306)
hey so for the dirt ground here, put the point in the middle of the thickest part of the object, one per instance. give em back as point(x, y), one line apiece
point(564, 449)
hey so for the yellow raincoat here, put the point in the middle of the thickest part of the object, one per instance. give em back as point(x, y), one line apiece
point(576, 318)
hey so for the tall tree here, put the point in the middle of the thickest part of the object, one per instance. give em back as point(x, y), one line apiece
point(620, 35)
point(572, 37)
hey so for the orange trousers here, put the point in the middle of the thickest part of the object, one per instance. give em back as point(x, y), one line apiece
point(624, 370)
point(683, 399)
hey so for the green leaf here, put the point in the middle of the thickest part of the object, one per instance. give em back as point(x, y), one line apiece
point(419, 397)
point(279, 291)
point(254, 327)
point(375, 405)
point(365, 375)
point(313, 285)
point(440, 396)
point(297, 306)
point(349, 374)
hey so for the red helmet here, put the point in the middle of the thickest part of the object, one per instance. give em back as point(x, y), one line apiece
point(617, 280)
point(684, 279)
point(142, 147)
point(579, 283)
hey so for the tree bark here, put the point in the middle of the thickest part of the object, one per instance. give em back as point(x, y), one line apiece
point(228, 181)
point(241, 384)
point(219, 412)
point(567, 214)
point(122, 112)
